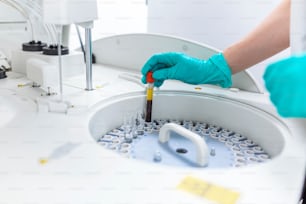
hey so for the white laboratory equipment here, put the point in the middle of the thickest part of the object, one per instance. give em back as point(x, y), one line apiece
point(238, 111)
point(72, 12)
point(48, 19)
point(235, 140)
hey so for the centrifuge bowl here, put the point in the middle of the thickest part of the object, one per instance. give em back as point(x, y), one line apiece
point(261, 127)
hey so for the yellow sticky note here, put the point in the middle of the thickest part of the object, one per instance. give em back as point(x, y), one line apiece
point(209, 191)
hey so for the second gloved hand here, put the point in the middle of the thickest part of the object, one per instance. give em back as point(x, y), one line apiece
point(173, 65)
point(286, 82)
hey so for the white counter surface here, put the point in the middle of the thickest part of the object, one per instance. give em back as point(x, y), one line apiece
point(83, 172)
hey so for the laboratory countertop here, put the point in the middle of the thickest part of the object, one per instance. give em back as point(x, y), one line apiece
point(51, 157)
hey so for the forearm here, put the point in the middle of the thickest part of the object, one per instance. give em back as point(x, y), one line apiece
point(269, 38)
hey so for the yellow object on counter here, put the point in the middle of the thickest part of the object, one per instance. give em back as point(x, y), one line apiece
point(209, 191)
point(43, 161)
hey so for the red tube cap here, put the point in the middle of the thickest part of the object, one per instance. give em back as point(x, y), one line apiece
point(150, 77)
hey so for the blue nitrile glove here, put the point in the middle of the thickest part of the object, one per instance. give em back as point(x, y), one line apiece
point(286, 82)
point(173, 65)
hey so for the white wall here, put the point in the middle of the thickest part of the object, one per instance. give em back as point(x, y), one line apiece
point(218, 23)
point(117, 17)
point(8, 13)
point(12, 29)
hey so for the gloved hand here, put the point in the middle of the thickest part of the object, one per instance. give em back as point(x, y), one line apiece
point(190, 70)
point(286, 82)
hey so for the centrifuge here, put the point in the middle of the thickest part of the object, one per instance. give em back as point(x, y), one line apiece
point(205, 144)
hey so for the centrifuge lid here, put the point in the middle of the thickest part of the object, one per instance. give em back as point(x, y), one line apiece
point(131, 51)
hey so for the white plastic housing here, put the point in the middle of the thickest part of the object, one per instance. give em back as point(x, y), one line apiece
point(131, 51)
point(257, 125)
point(42, 73)
point(73, 64)
point(65, 12)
